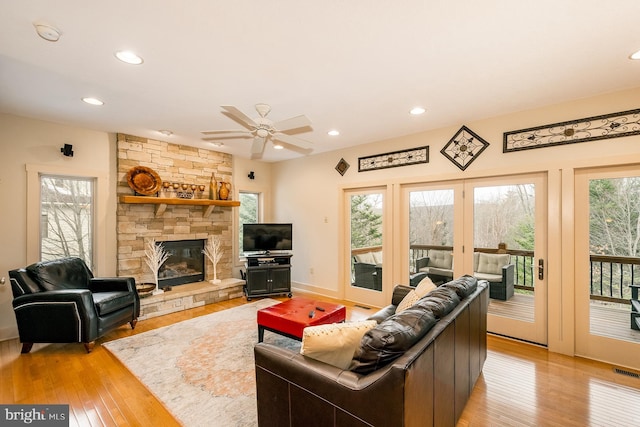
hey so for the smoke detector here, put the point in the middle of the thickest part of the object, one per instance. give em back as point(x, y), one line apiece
point(47, 32)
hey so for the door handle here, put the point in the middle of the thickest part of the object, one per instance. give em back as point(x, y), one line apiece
point(540, 269)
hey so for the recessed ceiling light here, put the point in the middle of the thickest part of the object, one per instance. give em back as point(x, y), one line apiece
point(277, 146)
point(333, 132)
point(165, 132)
point(416, 111)
point(47, 32)
point(92, 101)
point(635, 55)
point(128, 57)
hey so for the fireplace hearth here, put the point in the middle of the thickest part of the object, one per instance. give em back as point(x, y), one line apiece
point(185, 263)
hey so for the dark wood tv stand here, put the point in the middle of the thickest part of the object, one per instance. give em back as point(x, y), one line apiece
point(268, 274)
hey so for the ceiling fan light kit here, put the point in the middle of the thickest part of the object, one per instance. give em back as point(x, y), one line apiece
point(261, 130)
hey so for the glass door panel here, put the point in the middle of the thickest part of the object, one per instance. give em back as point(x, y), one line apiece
point(365, 213)
point(608, 265)
point(508, 214)
point(431, 226)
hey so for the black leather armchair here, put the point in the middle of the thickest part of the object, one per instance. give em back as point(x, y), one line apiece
point(60, 302)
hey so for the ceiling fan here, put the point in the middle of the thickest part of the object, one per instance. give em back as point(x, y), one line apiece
point(262, 129)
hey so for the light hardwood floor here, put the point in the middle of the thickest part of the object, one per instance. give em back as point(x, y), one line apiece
point(521, 384)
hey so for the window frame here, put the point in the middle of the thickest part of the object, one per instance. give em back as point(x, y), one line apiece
point(91, 229)
point(101, 187)
point(260, 218)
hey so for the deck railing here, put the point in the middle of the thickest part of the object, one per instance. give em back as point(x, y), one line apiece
point(611, 276)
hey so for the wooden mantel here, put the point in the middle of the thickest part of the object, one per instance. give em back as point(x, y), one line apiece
point(161, 203)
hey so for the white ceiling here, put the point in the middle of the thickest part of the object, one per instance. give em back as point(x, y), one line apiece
point(357, 66)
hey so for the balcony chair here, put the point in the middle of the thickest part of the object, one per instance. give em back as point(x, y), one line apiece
point(61, 302)
point(438, 264)
point(498, 271)
point(367, 269)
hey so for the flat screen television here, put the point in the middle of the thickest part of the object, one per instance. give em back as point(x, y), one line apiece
point(266, 237)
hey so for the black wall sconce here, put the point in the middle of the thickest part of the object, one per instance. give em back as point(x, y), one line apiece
point(67, 150)
point(251, 175)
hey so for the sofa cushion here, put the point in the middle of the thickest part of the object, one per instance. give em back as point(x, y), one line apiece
point(440, 259)
point(334, 343)
point(440, 302)
point(66, 273)
point(391, 338)
point(463, 286)
point(365, 258)
point(492, 263)
point(108, 302)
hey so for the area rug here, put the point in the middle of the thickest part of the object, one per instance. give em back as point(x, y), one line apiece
point(202, 369)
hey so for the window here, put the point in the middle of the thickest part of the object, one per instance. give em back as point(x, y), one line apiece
point(249, 213)
point(66, 212)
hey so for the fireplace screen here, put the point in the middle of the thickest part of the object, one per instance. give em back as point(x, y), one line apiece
point(184, 265)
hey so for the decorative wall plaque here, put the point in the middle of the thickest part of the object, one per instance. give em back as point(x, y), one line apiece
point(342, 166)
point(607, 126)
point(464, 147)
point(394, 159)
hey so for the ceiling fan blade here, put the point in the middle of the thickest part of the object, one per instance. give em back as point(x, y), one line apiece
point(228, 136)
point(257, 147)
point(214, 132)
point(292, 140)
point(239, 117)
point(293, 123)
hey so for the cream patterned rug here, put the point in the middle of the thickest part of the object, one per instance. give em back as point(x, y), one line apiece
point(202, 369)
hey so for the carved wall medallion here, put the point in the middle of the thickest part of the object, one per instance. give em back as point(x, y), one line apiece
point(464, 147)
point(342, 166)
point(607, 126)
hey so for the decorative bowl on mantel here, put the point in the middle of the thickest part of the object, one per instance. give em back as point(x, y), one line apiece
point(144, 180)
point(145, 289)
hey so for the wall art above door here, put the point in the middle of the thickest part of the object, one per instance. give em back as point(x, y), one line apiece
point(614, 125)
point(464, 147)
point(394, 159)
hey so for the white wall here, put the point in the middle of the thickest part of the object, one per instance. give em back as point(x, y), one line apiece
point(25, 141)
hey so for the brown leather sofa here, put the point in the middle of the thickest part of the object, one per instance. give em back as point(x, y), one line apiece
point(61, 302)
point(426, 385)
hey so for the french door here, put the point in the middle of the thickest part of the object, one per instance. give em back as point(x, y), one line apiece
point(509, 214)
point(466, 217)
point(367, 267)
point(607, 263)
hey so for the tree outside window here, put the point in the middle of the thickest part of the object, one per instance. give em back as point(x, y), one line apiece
point(248, 213)
point(66, 213)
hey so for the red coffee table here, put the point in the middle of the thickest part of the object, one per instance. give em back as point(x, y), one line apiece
point(290, 317)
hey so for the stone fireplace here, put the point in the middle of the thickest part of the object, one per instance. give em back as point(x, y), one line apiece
point(137, 224)
point(185, 263)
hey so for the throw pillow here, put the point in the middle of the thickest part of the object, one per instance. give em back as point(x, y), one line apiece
point(336, 343)
point(411, 298)
point(425, 286)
